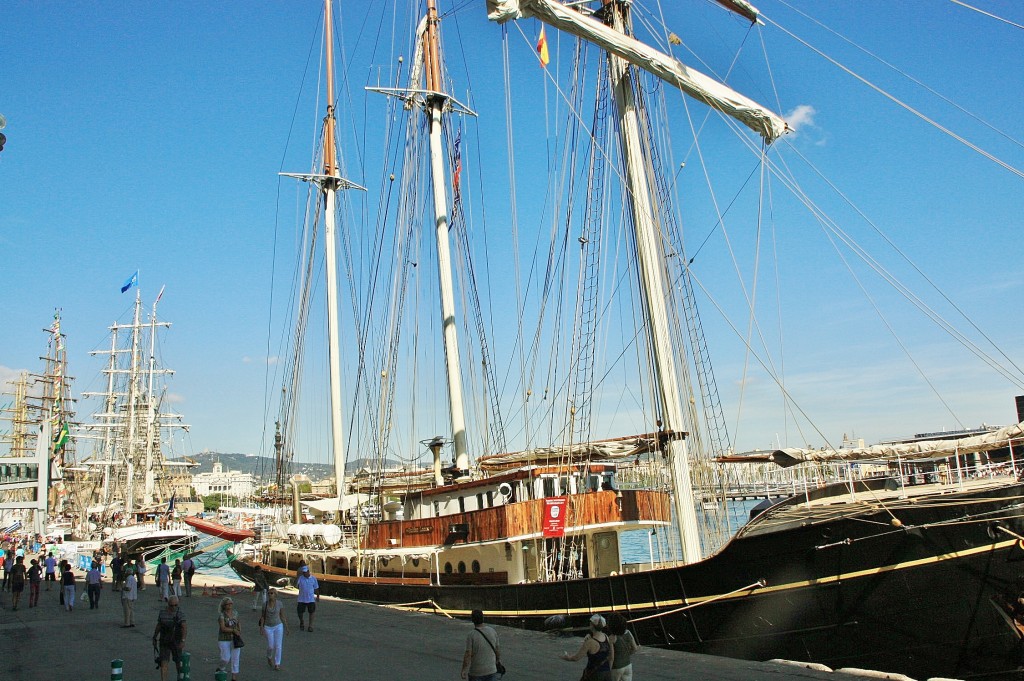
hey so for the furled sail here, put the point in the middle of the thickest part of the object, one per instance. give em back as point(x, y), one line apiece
point(997, 439)
point(694, 83)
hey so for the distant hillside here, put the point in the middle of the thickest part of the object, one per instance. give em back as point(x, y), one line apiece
point(263, 466)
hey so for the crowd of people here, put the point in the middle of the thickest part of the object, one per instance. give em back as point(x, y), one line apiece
point(608, 646)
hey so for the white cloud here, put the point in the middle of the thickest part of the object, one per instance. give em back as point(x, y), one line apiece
point(7, 375)
point(800, 117)
point(269, 360)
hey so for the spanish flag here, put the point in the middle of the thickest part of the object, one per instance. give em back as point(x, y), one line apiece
point(542, 48)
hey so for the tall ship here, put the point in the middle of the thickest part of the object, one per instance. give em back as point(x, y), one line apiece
point(133, 483)
point(37, 472)
point(908, 560)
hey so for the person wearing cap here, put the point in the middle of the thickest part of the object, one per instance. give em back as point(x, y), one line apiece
point(309, 594)
point(169, 637)
point(598, 649)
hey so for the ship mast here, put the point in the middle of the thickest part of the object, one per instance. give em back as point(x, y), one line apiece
point(436, 102)
point(650, 259)
point(623, 50)
point(329, 182)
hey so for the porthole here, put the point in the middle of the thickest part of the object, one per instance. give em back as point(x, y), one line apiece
point(415, 562)
point(462, 567)
point(476, 566)
point(447, 568)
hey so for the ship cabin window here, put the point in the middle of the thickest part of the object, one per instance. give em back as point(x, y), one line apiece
point(437, 510)
point(480, 501)
point(608, 481)
point(462, 504)
point(447, 568)
point(550, 487)
point(476, 566)
point(415, 562)
point(490, 499)
point(462, 567)
point(594, 483)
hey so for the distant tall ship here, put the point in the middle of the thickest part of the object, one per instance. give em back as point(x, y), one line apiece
point(38, 483)
point(133, 483)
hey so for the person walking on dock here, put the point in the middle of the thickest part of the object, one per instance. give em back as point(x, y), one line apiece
point(189, 567)
point(163, 579)
point(140, 572)
point(35, 577)
point(598, 650)
point(129, 594)
point(93, 584)
point(482, 658)
point(229, 638)
point(169, 637)
point(309, 595)
point(51, 570)
point(176, 578)
point(117, 572)
point(624, 645)
point(67, 583)
point(17, 574)
point(274, 626)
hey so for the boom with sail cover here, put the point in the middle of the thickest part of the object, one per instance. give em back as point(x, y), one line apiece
point(694, 83)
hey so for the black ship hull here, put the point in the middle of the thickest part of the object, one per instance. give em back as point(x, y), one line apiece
point(914, 586)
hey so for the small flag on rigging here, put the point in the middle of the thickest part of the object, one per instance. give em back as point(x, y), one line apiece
point(542, 48)
point(132, 281)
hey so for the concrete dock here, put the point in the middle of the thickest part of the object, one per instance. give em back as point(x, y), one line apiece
point(350, 641)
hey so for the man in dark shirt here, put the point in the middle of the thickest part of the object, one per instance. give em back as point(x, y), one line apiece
point(17, 580)
point(169, 636)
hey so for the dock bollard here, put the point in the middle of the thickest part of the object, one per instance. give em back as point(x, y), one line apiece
point(116, 670)
point(186, 667)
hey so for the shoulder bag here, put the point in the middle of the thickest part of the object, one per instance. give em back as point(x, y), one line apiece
point(497, 662)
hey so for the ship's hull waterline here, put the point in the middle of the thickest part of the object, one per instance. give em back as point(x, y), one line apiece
point(909, 586)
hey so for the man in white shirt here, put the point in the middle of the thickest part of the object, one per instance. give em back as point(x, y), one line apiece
point(309, 594)
point(129, 594)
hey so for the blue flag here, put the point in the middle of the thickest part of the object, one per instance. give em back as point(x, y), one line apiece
point(170, 504)
point(132, 281)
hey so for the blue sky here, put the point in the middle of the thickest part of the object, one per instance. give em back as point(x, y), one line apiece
point(149, 136)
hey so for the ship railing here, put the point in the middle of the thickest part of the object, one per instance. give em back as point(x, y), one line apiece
point(169, 550)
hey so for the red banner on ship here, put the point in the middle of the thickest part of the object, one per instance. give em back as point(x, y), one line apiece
point(554, 516)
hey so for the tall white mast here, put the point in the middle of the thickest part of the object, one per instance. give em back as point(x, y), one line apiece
point(435, 107)
point(133, 397)
point(151, 432)
point(651, 258)
point(109, 405)
point(329, 183)
point(436, 104)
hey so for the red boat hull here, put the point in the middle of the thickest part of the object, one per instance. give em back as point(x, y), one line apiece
point(215, 529)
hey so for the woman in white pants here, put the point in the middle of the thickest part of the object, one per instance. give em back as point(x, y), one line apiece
point(229, 627)
point(273, 625)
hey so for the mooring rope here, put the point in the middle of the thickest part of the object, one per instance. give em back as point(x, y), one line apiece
point(761, 583)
